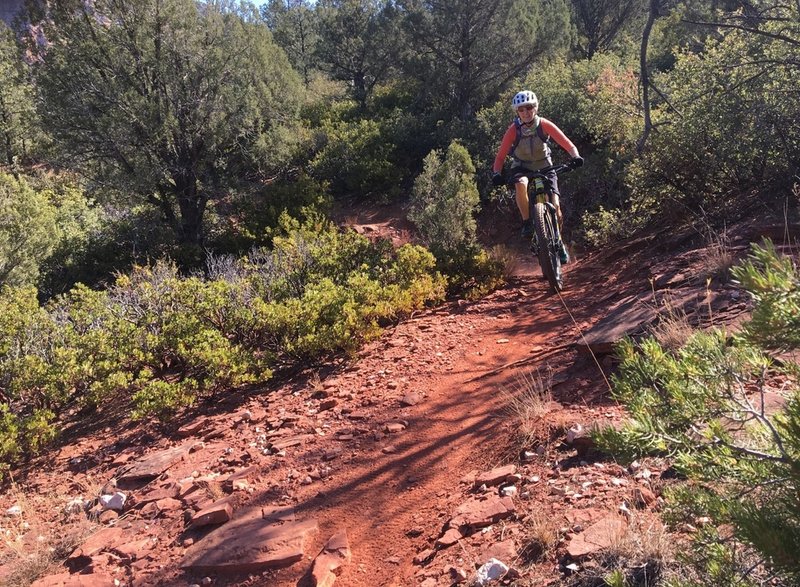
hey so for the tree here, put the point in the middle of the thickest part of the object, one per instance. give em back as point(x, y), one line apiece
point(600, 22)
point(294, 26)
point(358, 42)
point(17, 110)
point(444, 201)
point(28, 231)
point(169, 99)
point(467, 51)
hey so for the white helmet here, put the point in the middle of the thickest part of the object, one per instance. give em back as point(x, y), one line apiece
point(524, 97)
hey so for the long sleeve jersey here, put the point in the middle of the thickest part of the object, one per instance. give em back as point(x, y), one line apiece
point(548, 127)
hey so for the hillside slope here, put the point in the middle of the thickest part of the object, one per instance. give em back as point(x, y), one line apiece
point(382, 452)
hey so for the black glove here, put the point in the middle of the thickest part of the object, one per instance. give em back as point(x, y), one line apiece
point(498, 179)
point(576, 162)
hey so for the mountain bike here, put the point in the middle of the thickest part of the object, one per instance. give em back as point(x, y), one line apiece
point(546, 234)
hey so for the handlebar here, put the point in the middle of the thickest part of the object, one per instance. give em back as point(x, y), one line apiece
point(561, 168)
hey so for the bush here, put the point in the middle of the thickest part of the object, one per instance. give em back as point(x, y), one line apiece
point(735, 139)
point(445, 200)
point(357, 159)
point(704, 405)
point(28, 231)
point(161, 341)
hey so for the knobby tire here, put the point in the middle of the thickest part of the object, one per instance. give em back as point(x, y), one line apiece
point(548, 245)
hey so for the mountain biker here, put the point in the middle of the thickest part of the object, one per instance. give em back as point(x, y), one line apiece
point(526, 140)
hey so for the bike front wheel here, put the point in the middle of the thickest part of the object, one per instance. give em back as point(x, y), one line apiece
point(544, 225)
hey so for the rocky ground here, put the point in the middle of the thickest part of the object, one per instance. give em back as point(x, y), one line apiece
point(452, 449)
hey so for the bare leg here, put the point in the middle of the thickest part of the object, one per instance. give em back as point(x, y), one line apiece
point(555, 201)
point(521, 189)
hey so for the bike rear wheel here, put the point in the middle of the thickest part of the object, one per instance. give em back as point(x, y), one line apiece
point(547, 236)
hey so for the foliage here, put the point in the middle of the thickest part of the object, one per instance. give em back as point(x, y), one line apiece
point(294, 25)
point(445, 199)
point(161, 340)
point(730, 128)
point(443, 205)
point(28, 231)
point(774, 284)
point(706, 405)
point(600, 24)
point(358, 42)
point(468, 51)
point(19, 131)
point(357, 158)
point(169, 100)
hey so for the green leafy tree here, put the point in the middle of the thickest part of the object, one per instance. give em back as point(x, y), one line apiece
point(358, 42)
point(465, 52)
point(600, 23)
point(17, 105)
point(28, 231)
point(169, 99)
point(294, 26)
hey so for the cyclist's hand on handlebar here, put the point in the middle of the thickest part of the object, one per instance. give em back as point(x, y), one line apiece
point(498, 179)
point(576, 162)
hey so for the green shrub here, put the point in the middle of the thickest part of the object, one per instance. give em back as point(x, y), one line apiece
point(445, 200)
point(28, 231)
point(161, 341)
point(705, 406)
point(732, 141)
point(357, 159)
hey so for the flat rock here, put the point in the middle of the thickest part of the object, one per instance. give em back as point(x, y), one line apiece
point(599, 536)
point(249, 544)
point(449, 538)
point(151, 467)
point(481, 512)
point(218, 512)
point(495, 476)
point(330, 561)
point(291, 441)
point(629, 317)
point(99, 541)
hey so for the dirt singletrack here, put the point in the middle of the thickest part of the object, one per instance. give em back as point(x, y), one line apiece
point(382, 446)
point(465, 359)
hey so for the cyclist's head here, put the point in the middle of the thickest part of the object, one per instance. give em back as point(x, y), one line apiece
point(524, 98)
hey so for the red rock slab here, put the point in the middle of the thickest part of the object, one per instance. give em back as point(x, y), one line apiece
point(151, 467)
point(218, 512)
point(67, 580)
point(478, 513)
point(99, 541)
point(495, 476)
point(597, 537)
point(249, 544)
point(291, 441)
point(329, 562)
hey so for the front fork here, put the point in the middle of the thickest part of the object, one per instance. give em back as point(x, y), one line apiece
point(543, 197)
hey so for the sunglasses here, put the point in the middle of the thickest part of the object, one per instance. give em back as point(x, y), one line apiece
point(526, 108)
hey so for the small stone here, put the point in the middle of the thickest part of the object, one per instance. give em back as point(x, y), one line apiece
point(115, 501)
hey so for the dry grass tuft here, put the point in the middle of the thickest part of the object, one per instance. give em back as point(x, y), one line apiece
point(541, 536)
point(673, 328)
point(507, 258)
point(527, 402)
point(640, 557)
point(717, 258)
point(32, 546)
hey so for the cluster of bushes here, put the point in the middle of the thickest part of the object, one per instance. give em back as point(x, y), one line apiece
point(706, 407)
point(161, 340)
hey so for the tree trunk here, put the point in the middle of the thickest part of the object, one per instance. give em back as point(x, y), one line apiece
point(645, 77)
point(192, 206)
